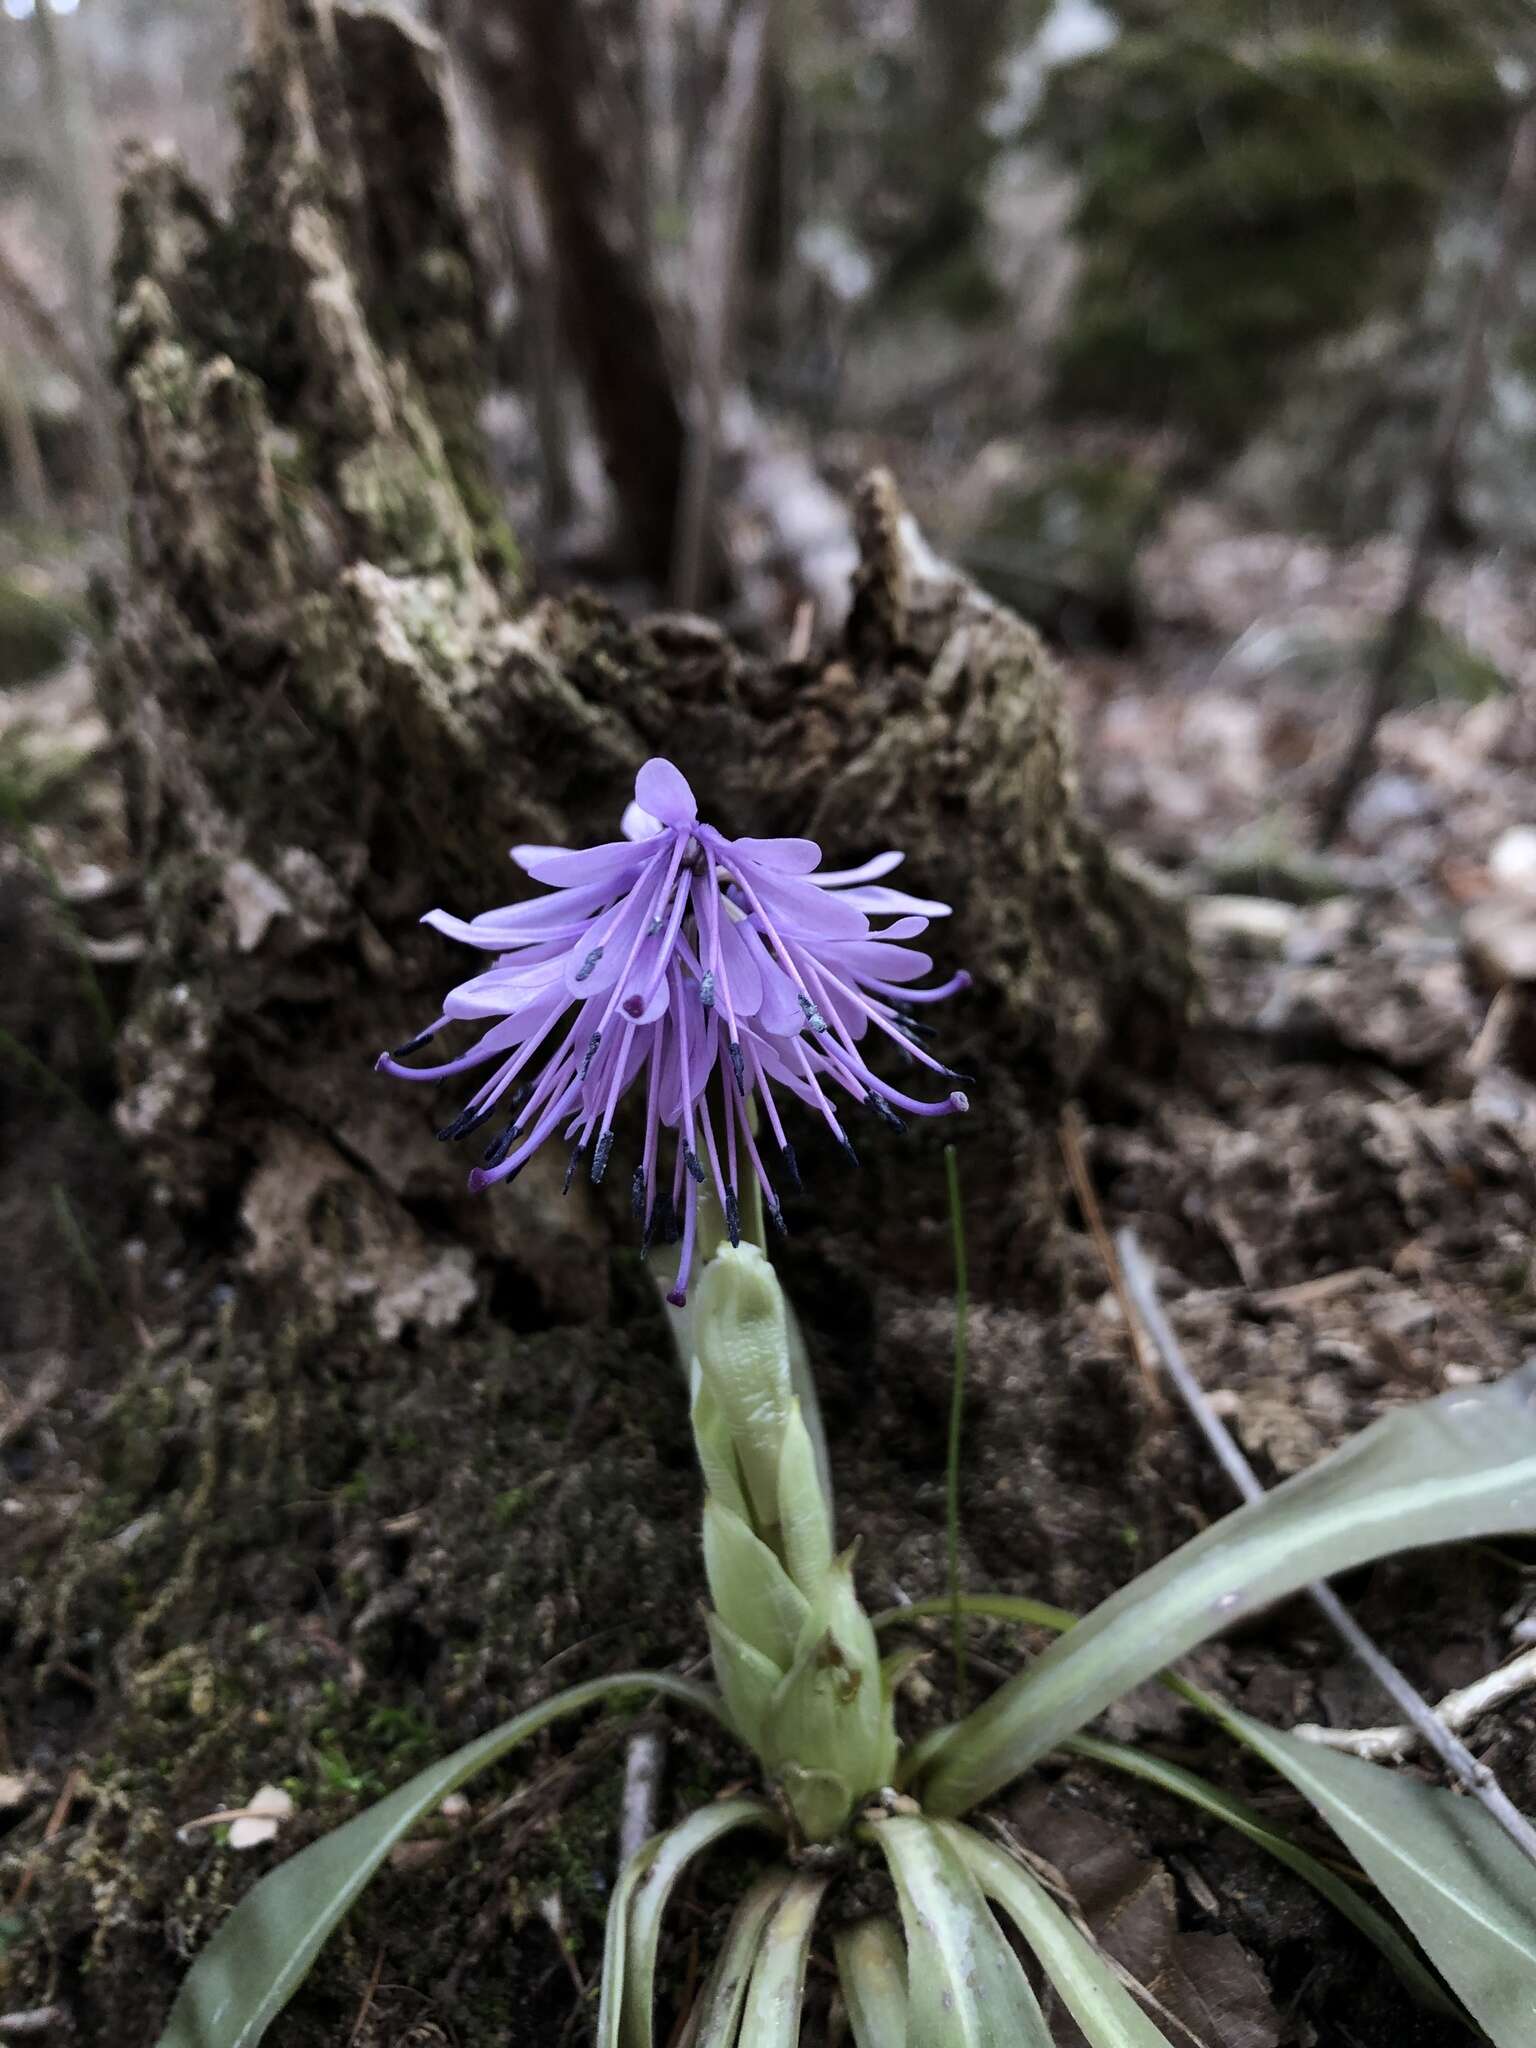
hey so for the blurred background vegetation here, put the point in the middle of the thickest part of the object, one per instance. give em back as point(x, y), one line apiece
point(1062, 261)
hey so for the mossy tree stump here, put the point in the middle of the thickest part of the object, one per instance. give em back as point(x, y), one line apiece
point(388, 1450)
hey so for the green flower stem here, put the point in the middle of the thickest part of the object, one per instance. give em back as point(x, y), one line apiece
point(956, 1416)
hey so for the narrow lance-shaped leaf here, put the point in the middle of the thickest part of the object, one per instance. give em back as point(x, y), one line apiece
point(1237, 1813)
point(672, 1856)
point(610, 2011)
point(1444, 1863)
point(717, 2016)
point(1225, 1806)
point(771, 2015)
point(264, 1950)
point(1089, 1986)
point(1459, 1466)
point(1198, 1791)
point(967, 1988)
point(872, 1972)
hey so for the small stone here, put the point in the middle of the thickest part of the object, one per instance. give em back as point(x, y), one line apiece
point(1512, 859)
point(1254, 925)
point(256, 902)
point(1499, 940)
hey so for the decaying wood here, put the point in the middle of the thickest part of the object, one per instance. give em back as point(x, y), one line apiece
point(344, 712)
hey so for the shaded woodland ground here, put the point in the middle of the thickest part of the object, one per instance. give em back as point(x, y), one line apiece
point(316, 1467)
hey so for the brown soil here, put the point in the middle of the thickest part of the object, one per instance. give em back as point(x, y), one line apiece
point(244, 1547)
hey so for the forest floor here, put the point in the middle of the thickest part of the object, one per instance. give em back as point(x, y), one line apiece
point(204, 1587)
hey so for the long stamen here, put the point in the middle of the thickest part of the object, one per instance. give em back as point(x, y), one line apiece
point(870, 1082)
point(605, 1133)
point(484, 1177)
point(478, 1054)
point(879, 1016)
point(679, 1293)
point(905, 993)
point(644, 929)
point(422, 1038)
point(743, 1121)
point(717, 965)
point(725, 1189)
point(634, 1005)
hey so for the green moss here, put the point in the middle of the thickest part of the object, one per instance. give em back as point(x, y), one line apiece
point(36, 631)
point(1062, 548)
point(261, 1624)
point(1442, 668)
point(1237, 209)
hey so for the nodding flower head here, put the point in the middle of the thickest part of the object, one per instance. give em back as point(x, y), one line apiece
point(665, 961)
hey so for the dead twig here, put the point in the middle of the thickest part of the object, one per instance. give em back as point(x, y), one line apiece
point(1071, 1140)
point(55, 1826)
point(370, 1990)
point(1458, 1710)
point(1461, 398)
point(49, 333)
point(1472, 1776)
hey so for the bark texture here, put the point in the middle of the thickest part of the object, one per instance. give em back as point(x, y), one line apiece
point(565, 75)
point(370, 1454)
point(343, 711)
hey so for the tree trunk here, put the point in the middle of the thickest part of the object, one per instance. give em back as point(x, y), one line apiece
point(373, 1452)
point(562, 74)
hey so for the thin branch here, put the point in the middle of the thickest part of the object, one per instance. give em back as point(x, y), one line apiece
point(50, 335)
point(956, 1418)
point(717, 256)
point(1461, 398)
point(20, 440)
point(1474, 1777)
point(1458, 1710)
point(1071, 1140)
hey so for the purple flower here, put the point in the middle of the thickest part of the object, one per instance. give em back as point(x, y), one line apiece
point(666, 958)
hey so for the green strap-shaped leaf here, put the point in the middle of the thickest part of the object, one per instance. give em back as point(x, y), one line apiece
point(610, 2011)
point(1173, 1778)
point(717, 2017)
point(657, 1881)
point(1092, 1992)
point(264, 1950)
point(1237, 1813)
point(872, 1971)
point(1459, 1466)
point(771, 2015)
point(966, 1987)
point(1445, 1864)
